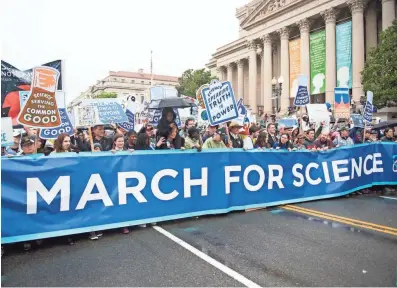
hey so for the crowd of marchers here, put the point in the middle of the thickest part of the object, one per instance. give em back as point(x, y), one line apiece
point(266, 134)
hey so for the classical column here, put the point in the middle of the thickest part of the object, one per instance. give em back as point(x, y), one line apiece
point(221, 73)
point(230, 72)
point(304, 27)
point(357, 9)
point(267, 74)
point(284, 36)
point(240, 80)
point(371, 31)
point(388, 13)
point(252, 77)
point(330, 52)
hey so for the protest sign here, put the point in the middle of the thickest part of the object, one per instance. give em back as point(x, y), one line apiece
point(369, 108)
point(342, 103)
point(242, 110)
point(65, 128)
point(130, 112)
point(199, 96)
point(40, 109)
point(318, 113)
point(6, 131)
point(302, 94)
point(109, 111)
point(86, 116)
point(67, 200)
point(14, 81)
point(219, 102)
point(358, 120)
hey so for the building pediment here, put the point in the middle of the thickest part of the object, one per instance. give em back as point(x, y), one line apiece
point(266, 9)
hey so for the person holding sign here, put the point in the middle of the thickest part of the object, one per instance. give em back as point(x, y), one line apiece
point(343, 139)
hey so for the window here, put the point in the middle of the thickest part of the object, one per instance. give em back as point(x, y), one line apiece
point(150, 83)
point(132, 81)
point(142, 99)
point(142, 82)
point(115, 79)
point(123, 80)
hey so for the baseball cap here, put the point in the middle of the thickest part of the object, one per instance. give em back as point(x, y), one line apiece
point(344, 129)
point(97, 145)
point(28, 140)
point(17, 132)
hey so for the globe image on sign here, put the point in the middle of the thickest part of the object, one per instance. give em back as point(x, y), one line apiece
point(204, 115)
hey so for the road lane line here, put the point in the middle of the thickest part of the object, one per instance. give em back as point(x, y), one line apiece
point(386, 231)
point(386, 197)
point(344, 218)
point(240, 278)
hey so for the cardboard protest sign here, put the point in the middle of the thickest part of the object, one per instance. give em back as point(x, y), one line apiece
point(369, 108)
point(302, 94)
point(318, 113)
point(109, 111)
point(219, 102)
point(14, 81)
point(358, 120)
point(86, 116)
point(65, 128)
point(6, 131)
point(40, 109)
point(342, 102)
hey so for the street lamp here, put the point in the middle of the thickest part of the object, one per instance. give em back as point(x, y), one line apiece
point(277, 86)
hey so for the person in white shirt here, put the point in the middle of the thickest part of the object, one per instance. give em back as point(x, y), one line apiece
point(249, 141)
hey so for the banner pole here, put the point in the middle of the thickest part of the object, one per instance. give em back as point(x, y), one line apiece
point(300, 120)
point(91, 139)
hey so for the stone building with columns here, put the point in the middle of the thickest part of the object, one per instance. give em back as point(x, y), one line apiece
point(325, 40)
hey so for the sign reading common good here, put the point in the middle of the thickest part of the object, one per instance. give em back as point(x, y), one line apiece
point(219, 102)
point(302, 94)
point(40, 109)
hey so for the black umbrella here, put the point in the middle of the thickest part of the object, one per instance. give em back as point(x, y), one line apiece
point(385, 124)
point(174, 102)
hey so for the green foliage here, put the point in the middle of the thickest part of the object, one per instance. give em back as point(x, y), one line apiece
point(107, 95)
point(380, 71)
point(191, 80)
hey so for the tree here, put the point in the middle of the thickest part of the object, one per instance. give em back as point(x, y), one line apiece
point(191, 80)
point(380, 70)
point(106, 95)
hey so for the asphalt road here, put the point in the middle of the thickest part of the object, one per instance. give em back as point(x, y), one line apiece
point(270, 247)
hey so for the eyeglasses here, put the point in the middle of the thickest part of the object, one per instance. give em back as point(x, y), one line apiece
point(149, 129)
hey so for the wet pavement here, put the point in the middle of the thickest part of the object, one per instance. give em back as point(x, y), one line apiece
point(270, 247)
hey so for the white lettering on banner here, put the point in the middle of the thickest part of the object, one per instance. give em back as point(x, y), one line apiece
point(136, 190)
point(34, 186)
point(229, 179)
point(309, 178)
point(343, 170)
point(155, 185)
point(188, 182)
point(357, 168)
point(261, 181)
point(298, 175)
point(277, 179)
point(95, 180)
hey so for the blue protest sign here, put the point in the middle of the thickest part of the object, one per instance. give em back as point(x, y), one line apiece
point(109, 111)
point(369, 108)
point(130, 125)
point(358, 120)
point(80, 196)
point(242, 110)
point(65, 128)
point(302, 95)
point(219, 102)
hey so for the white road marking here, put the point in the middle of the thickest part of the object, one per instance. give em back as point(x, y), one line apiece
point(240, 278)
point(392, 198)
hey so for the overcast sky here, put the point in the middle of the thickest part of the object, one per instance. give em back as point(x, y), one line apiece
point(96, 36)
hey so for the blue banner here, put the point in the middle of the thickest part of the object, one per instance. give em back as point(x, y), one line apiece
point(344, 54)
point(66, 127)
point(71, 193)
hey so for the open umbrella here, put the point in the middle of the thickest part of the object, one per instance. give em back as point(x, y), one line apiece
point(385, 124)
point(174, 102)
